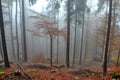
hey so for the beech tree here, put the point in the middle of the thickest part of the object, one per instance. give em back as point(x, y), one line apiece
point(44, 22)
point(53, 10)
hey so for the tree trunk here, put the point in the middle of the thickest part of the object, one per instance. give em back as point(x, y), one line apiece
point(107, 39)
point(21, 27)
point(118, 58)
point(74, 51)
point(58, 40)
point(11, 28)
point(104, 35)
point(57, 49)
point(1, 49)
point(16, 25)
point(51, 51)
point(80, 61)
point(6, 60)
point(24, 32)
point(68, 34)
point(87, 38)
point(112, 31)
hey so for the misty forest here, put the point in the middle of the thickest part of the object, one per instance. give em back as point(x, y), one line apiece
point(60, 40)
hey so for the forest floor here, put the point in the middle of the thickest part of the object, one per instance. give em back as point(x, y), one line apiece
point(45, 72)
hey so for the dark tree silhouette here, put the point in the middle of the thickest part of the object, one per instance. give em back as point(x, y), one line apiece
point(107, 39)
point(68, 34)
point(3, 38)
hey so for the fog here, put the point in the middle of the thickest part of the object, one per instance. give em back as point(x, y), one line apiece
point(47, 19)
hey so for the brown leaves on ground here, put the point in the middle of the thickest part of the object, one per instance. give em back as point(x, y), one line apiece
point(12, 74)
point(51, 73)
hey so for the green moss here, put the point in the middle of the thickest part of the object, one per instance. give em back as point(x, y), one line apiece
point(1, 72)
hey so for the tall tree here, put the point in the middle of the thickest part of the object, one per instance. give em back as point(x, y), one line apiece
point(107, 38)
point(11, 26)
point(57, 6)
point(58, 41)
point(44, 22)
point(68, 35)
point(24, 33)
point(102, 31)
point(74, 50)
point(82, 37)
point(80, 10)
point(53, 10)
point(6, 60)
point(16, 25)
